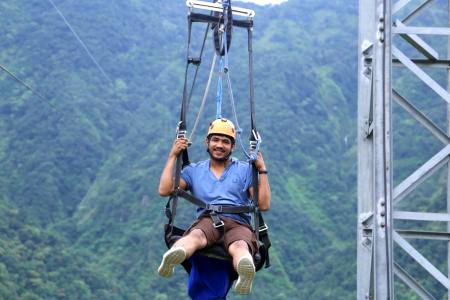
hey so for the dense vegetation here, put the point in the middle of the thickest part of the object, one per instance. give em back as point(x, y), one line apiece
point(80, 213)
point(80, 217)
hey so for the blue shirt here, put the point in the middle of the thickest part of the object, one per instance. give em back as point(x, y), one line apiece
point(230, 189)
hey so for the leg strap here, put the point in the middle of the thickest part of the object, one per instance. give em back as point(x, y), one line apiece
point(217, 222)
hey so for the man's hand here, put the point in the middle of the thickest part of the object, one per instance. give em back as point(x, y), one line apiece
point(259, 163)
point(178, 146)
point(264, 187)
point(166, 184)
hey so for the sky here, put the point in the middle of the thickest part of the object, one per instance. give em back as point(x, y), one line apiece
point(264, 2)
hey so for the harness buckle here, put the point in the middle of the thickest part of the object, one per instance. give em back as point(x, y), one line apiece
point(217, 222)
point(218, 225)
point(214, 208)
point(196, 61)
point(255, 141)
point(181, 133)
point(263, 228)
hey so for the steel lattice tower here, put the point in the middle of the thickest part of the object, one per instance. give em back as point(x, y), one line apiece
point(385, 27)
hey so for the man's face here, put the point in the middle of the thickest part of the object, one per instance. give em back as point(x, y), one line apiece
point(219, 147)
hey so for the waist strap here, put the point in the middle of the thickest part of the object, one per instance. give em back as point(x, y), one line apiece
point(217, 208)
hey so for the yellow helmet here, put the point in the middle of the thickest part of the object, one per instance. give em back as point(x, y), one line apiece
point(223, 127)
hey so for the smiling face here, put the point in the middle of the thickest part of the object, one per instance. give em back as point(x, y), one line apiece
point(219, 147)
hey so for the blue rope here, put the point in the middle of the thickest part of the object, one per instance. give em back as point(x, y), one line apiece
point(253, 154)
point(219, 92)
point(223, 70)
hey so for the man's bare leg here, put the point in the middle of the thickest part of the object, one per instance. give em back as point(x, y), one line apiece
point(181, 250)
point(243, 264)
point(192, 242)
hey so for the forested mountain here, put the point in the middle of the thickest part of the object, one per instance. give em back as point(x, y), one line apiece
point(80, 217)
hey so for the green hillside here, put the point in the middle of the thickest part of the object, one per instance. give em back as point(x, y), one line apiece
point(80, 217)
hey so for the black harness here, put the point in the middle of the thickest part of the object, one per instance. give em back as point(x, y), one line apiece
point(173, 233)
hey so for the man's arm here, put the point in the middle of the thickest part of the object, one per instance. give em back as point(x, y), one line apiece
point(263, 187)
point(166, 182)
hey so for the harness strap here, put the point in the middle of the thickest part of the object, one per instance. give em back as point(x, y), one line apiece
point(168, 212)
point(218, 223)
point(261, 229)
point(250, 73)
point(263, 232)
point(255, 184)
point(231, 209)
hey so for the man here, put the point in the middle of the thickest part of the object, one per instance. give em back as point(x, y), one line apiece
point(221, 180)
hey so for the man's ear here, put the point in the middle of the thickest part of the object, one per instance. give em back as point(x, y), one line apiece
point(206, 141)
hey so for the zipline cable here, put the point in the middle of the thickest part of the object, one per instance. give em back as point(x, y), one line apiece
point(28, 87)
point(81, 42)
point(11, 74)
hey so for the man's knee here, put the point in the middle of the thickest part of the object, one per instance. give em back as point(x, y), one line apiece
point(240, 244)
point(198, 235)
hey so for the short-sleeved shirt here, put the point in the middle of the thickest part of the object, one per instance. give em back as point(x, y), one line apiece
point(230, 189)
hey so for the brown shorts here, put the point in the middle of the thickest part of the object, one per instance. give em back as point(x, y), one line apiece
point(233, 231)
